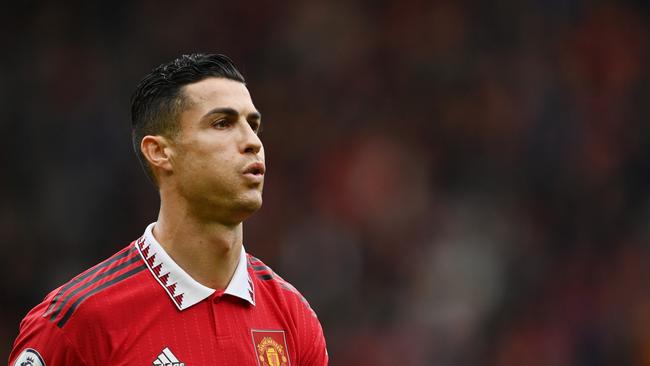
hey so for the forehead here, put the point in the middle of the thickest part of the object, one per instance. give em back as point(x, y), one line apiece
point(213, 93)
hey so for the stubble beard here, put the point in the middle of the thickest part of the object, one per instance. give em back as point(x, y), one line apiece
point(229, 209)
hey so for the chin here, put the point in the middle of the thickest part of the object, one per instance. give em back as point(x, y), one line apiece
point(251, 204)
point(245, 211)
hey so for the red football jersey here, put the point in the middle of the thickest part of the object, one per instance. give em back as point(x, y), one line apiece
point(139, 307)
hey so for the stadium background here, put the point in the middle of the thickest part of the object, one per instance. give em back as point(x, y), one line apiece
point(450, 182)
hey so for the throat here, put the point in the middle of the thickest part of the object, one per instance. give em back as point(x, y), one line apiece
point(209, 256)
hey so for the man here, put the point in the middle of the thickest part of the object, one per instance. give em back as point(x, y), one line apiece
point(186, 292)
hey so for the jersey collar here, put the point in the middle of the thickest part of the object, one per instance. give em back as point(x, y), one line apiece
point(179, 285)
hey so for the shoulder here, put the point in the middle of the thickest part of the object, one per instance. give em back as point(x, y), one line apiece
point(63, 303)
point(45, 331)
point(40, 342)
point(266, 278)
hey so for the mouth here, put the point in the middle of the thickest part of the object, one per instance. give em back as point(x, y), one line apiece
point(255, 169)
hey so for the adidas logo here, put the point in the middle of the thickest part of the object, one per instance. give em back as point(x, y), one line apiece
point(167, 358)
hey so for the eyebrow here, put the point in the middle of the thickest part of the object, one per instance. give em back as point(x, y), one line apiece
point(233, 113)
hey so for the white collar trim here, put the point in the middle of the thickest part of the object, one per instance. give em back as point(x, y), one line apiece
point(179, 285)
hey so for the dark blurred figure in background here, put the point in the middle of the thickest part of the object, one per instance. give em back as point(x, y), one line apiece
point(471, 177)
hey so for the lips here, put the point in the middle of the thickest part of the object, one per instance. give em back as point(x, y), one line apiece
point(256, 168)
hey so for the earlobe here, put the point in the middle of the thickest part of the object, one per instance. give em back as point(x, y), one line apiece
point(157, 151)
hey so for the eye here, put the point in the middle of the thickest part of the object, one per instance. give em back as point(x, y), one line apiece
point(221, 123)
point(256, 126)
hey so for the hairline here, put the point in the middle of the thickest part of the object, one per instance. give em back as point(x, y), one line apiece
point(181, 103)
point(184, 101)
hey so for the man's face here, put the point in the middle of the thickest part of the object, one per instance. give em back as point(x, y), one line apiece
point(217, 158)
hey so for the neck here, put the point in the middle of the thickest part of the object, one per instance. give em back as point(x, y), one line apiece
point(208, 251)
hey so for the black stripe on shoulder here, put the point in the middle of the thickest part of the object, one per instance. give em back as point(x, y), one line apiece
point(265, 273)
point(261, 267)
point(97, 289)
point(102, 275)
point(120, 255)
point(253, 261)
point(265, 277)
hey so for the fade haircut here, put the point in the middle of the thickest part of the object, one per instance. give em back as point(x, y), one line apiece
point(158, 99)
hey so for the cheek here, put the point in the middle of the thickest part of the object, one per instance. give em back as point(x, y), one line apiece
point(205, 159)
point(210, 164)
point(191, 162)
point(201, 153)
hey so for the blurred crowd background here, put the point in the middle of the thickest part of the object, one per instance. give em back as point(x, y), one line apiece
point(449, 182)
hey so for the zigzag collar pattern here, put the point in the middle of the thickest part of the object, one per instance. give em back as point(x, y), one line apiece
point(179, 285)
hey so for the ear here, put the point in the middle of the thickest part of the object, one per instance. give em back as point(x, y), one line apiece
point(158, 152)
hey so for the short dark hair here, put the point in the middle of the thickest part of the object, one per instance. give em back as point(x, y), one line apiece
point(158, 100)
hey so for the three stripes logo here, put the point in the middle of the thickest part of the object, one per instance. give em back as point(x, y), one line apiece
point(167, 358)
point(117, 268)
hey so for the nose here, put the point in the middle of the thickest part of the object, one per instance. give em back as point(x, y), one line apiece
point(250, 141)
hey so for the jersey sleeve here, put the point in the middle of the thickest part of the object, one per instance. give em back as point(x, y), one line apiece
point(41, 343)
point(315, 349)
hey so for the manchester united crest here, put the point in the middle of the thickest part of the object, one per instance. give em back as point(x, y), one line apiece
point(271, 347)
